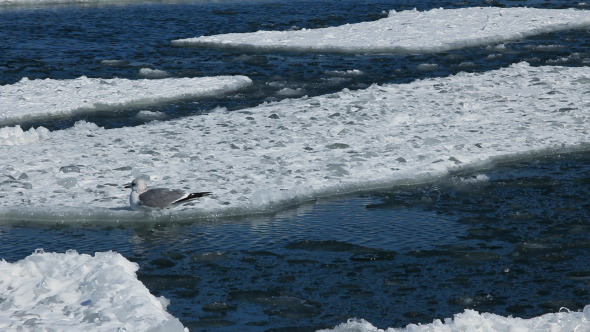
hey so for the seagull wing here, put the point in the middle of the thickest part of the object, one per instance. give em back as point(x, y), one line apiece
point(161, 197)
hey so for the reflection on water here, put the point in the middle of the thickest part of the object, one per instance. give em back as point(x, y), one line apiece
point(511, 240)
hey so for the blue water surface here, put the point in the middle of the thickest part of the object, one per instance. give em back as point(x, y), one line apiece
point(68, 41)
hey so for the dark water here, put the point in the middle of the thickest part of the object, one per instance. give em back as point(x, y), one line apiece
point(515, 244)
point(63, 42)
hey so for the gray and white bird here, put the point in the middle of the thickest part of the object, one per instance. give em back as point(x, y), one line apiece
point(157, 198)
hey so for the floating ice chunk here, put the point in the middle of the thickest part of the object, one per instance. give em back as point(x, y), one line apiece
point(351, 72)
point(462, 181)
point(289, 92)
point(545, 48)
point(31, 99)
point(78, 292)
point(427, 66)
point(283, 153)
point(153, 73)
point(574, 58)
point(411, 31)
point(114, 63)
point(466, 65)
point(16, 136)
point(150, 115)
point(471, 320)
point(336, 79)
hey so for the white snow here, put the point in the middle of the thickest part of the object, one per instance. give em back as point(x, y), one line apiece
point(33, 99)
point(410, 31)
point(16, 136)
point(260, 159)
point(78, 292)
point(471, 320)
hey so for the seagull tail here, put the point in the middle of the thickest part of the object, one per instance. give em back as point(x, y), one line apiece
point(193, 196)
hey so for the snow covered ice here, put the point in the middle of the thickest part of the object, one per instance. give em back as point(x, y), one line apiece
point(410, 31)
point(78, 292)
point(34, 99)
point(264, 158)
point(471, 320)
point(16, 136)
point(276, 154)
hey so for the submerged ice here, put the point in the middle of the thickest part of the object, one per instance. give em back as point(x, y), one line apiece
point(260, 159)
point(410, 31)
point(77, 292)
point(41, 98)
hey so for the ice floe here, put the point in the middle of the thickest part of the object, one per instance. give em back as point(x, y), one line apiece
point(263, 158)
point(79, 292)
point(410, 31)
point(153, 73)
point(33, 99)
point(471, 320)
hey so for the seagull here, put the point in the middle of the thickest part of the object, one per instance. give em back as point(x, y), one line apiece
point(157, 198)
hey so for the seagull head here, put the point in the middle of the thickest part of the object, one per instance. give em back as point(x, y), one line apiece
point(138, 185)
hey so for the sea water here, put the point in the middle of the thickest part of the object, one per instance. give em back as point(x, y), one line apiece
point(510, 240)
point(507, 238)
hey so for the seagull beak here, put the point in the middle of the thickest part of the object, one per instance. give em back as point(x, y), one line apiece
point(127, 186)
